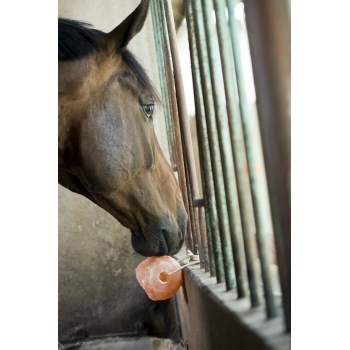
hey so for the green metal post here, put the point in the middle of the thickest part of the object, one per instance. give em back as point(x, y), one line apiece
point(163, 86)
point(160, 25)
point(215, 253)
point(256, 185)
point(238, 148)
point(224, 223)
point(190, 170)
point(225, 151)
point(270, 43)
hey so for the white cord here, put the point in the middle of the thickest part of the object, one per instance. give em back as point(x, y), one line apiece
point(180, 268)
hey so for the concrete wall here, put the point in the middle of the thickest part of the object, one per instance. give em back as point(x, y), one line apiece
point(98, 290)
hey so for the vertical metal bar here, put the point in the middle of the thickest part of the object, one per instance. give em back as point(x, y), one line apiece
point(164, 88)
point(193, 217)
point(215, 253)
point(191, 238)
point(256, 186)
point(184, 124)
point(220, 197)
point(169, 79)
point(225, 151)
point(204, 245)
point(208, 246)
point(238, 149)
point(269, 40)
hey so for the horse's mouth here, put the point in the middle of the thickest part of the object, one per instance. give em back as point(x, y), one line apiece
point(148, 246)
point(164, 237)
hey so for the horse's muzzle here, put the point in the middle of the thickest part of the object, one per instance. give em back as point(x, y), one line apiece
point(160, 239)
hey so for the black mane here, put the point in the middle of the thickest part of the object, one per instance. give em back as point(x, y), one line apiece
point(77, 39)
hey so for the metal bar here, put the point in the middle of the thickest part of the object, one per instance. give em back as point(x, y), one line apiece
point(169, 79)
point(225, 151)
point(164, 88)
point(183, 118)
point(197, 202)
point(238, 149)
point(250, 142)
point(269, 39)
point(191, 239)
point(211, 222)
point(213, 235)
point(224, 225)
point(204, 246)
point(193, 211)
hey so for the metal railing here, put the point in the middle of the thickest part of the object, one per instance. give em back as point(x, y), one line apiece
point(224, 226)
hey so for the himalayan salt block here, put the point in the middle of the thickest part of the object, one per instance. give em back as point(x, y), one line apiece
point(152, 276)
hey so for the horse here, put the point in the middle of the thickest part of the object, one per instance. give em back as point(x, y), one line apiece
point(107, 147)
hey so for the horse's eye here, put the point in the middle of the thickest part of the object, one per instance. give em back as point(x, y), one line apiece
point(148, 109)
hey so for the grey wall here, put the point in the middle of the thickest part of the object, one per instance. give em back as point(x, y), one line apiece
point(98, 290)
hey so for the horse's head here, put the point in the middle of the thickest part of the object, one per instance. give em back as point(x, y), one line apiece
point(108, 150)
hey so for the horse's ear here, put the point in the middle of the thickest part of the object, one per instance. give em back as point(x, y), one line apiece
point(118, 39)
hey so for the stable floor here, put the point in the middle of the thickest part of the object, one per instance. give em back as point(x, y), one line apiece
point(116, 343)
